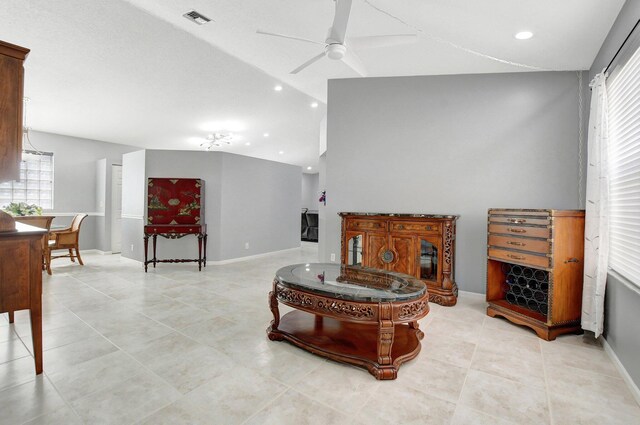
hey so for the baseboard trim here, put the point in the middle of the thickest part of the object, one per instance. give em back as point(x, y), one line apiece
point(250, 257)
point(95, 251)
point(635, 391)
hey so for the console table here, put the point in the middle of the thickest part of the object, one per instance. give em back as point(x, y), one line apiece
point(365, 317)
point(21, 279)
point(175, 232)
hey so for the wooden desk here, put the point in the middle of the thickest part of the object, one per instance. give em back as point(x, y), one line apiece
point(21, 279)
point(175, 231)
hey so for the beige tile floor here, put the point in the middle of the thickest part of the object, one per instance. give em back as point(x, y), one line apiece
point(177, 346)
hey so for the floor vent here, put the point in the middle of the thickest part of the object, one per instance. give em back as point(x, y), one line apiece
point(196, 17)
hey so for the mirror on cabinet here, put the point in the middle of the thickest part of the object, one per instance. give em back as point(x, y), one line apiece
point(428, 260)
point(355, 251)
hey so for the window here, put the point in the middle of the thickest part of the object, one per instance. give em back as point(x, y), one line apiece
point(623, 91)
point(36, 181)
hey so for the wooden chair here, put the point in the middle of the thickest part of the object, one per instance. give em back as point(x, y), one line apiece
point(43, 222)
point(66, 239)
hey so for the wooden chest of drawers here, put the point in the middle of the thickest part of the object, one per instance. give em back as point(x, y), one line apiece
point(534, 268)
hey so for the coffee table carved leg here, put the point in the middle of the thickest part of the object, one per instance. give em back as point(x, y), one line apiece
point(386, 330)
point(273, 305)
point(416, 326)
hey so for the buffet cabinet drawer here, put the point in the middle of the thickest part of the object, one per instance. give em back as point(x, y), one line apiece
point(414, 227)
point(541, 261)
point(366, 225)
point(519, 230)
point(523, 244)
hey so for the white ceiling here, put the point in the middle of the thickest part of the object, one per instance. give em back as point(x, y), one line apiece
point(137, 72)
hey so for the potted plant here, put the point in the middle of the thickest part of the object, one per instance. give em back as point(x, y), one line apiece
point(20, 209)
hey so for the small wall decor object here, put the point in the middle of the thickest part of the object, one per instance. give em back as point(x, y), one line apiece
point(323, 197)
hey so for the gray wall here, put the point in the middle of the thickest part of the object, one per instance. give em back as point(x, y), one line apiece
point(246, 200)
point(310, 191)
point(76, 179)
point(455, 144)
point(260, 206)
point(622, 305)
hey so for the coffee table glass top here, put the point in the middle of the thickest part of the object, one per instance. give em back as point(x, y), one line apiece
point(351, 282)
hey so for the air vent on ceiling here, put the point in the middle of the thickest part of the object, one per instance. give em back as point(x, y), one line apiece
point(196, 17)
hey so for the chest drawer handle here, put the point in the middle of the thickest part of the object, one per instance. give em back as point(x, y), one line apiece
point(400, 227)
point(512, 230)
point(515, 257)
point(516, 220)
point(515, 243)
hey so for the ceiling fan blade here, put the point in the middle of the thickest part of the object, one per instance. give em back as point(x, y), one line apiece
point(338, 30)
point(307, 63)
point(292, 37)
point(373, 41)
point(354, 63)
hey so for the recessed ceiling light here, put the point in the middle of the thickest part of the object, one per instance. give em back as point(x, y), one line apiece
point(314, 105)
point(248, 144)
point(278, 87)
point(308, 168)
point(524, 35)
point(266, 134)
point(281, 152)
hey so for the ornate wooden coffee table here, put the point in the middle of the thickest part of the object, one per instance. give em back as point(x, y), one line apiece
point(350, 314)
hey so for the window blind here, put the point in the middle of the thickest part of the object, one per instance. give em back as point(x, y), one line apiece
point(623, 90)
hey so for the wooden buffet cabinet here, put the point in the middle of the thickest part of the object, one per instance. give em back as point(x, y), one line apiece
point(534, 268)
point(11, 102)
point(420, 245)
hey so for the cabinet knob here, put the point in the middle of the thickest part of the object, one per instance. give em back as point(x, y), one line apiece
point(400, 227)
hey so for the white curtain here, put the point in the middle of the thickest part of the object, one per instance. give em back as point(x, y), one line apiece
point(596, 232)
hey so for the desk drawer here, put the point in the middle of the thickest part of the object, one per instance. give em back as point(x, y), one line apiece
point(414, 227)
point(519, 230)
point(539, 261)
point(523, 244)
point(366, 225)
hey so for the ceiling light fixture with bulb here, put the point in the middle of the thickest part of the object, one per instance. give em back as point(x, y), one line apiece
point(524, 35)
point(217, 140)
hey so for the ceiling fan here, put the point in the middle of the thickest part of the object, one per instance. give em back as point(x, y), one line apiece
point(335, 46)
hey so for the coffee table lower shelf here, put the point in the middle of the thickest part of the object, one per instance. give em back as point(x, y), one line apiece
point(347, 342)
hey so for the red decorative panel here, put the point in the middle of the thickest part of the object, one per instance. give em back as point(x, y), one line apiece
point(175, 201)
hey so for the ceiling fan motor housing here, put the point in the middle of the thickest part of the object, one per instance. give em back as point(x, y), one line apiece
point(336, 51)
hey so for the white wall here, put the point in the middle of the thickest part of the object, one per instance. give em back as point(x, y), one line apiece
point(76, 179)
point(310, 191)
point(452, 145)
point(134, 186)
